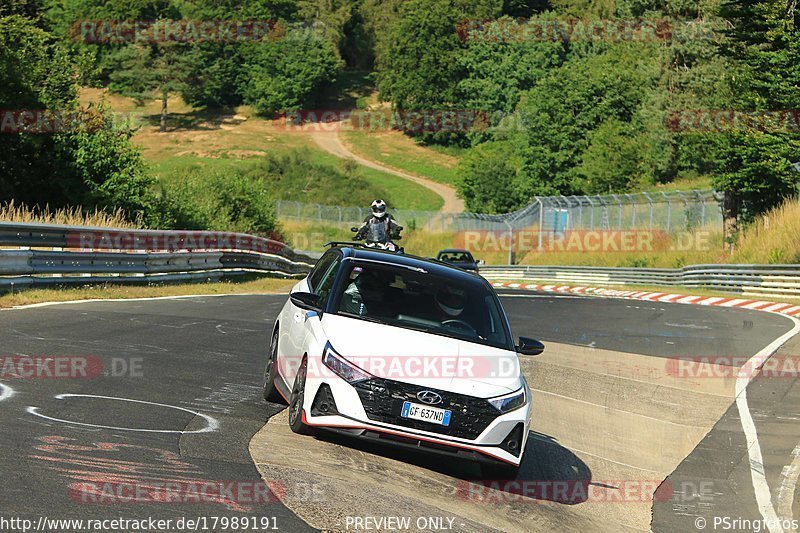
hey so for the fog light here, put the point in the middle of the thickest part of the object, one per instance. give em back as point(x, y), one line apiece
point(513, 441)
point(324, 404)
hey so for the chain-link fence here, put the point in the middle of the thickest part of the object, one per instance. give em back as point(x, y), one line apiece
point(669, 211)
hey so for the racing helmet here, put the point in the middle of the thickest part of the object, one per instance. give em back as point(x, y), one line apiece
point(379, 208)
point(451, 300)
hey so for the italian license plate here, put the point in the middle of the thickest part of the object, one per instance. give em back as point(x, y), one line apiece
point(426, 413)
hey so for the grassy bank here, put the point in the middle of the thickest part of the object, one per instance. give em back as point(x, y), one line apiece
point(397, 151)
point(208, 141)
point(109, 292)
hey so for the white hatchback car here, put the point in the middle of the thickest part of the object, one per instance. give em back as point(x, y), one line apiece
point(404, 350)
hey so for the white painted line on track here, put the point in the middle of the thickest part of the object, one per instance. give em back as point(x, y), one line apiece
point(757, 473)
point(211, 423)
point(6, 392)
point(760, 485)
point(789, 477)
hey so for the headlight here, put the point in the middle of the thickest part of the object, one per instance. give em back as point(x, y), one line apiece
point(509, 402)
point(342, 367)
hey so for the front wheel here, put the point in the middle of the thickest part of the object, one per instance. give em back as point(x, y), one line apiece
point(271, 393)
point(296, 402)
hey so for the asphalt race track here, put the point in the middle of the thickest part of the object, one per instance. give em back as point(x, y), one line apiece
point(173, 395)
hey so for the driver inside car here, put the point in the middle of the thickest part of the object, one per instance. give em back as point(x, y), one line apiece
point(450, 303)
point(365, 295)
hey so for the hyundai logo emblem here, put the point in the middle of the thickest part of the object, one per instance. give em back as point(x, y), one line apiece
point(429, 397)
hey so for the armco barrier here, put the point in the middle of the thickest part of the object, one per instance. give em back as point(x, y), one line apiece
point(47, 255)
point(751, 280)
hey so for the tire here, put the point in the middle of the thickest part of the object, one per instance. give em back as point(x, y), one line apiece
point(296, 403)
point(271, 393)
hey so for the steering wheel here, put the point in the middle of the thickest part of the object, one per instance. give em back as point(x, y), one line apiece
point(460, 324)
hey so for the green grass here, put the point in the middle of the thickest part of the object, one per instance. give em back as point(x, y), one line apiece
point(400, 152)
point(221, 141)
point(400, 192)
point(452, 151)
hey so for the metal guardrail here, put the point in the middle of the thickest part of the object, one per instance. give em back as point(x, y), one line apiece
point(48, 255)
point(748, 280)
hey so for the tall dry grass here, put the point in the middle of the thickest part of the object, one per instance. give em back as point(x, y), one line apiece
point(773, 238)
point(73, 216)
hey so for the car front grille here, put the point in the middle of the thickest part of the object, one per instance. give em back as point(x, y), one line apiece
point(383, 400)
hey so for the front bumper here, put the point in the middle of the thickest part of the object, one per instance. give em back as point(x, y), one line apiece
point(371, 410)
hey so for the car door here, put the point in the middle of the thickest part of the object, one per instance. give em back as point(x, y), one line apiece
point(320, 282)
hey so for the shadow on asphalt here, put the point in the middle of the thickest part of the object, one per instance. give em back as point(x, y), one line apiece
point(549, 471)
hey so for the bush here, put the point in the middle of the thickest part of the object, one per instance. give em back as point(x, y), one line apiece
point(488, 175)
point(231, 202)
point(110, 169)
point(299, 178)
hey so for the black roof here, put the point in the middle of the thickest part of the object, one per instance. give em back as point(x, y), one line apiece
point(454, 250)
point(433, 266)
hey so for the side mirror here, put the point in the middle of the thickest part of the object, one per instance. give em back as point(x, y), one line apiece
point(529, 346)
point(305, 300)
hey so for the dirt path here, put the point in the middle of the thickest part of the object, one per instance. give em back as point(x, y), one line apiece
point(332, 143)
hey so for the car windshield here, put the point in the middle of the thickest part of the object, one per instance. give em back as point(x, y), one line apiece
point(464, 257)
point(452, 307)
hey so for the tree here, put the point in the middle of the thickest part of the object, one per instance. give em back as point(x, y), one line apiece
point(496, 72)
point(610, 163)
point(35, 74)
point(763, 40)
point(489, 173)
point(87, 160)
point(110, 169)
point(144, 69)
point(420, 67)
point(289, 73)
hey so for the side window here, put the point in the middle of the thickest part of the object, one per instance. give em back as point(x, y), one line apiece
point(323, 288)
point(322, 267)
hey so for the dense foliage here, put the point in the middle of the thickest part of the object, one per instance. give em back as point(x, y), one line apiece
point(87, 159)
point(589, 116)
point(563, 112)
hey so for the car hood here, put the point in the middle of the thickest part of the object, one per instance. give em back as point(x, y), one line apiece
point(424, 359)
